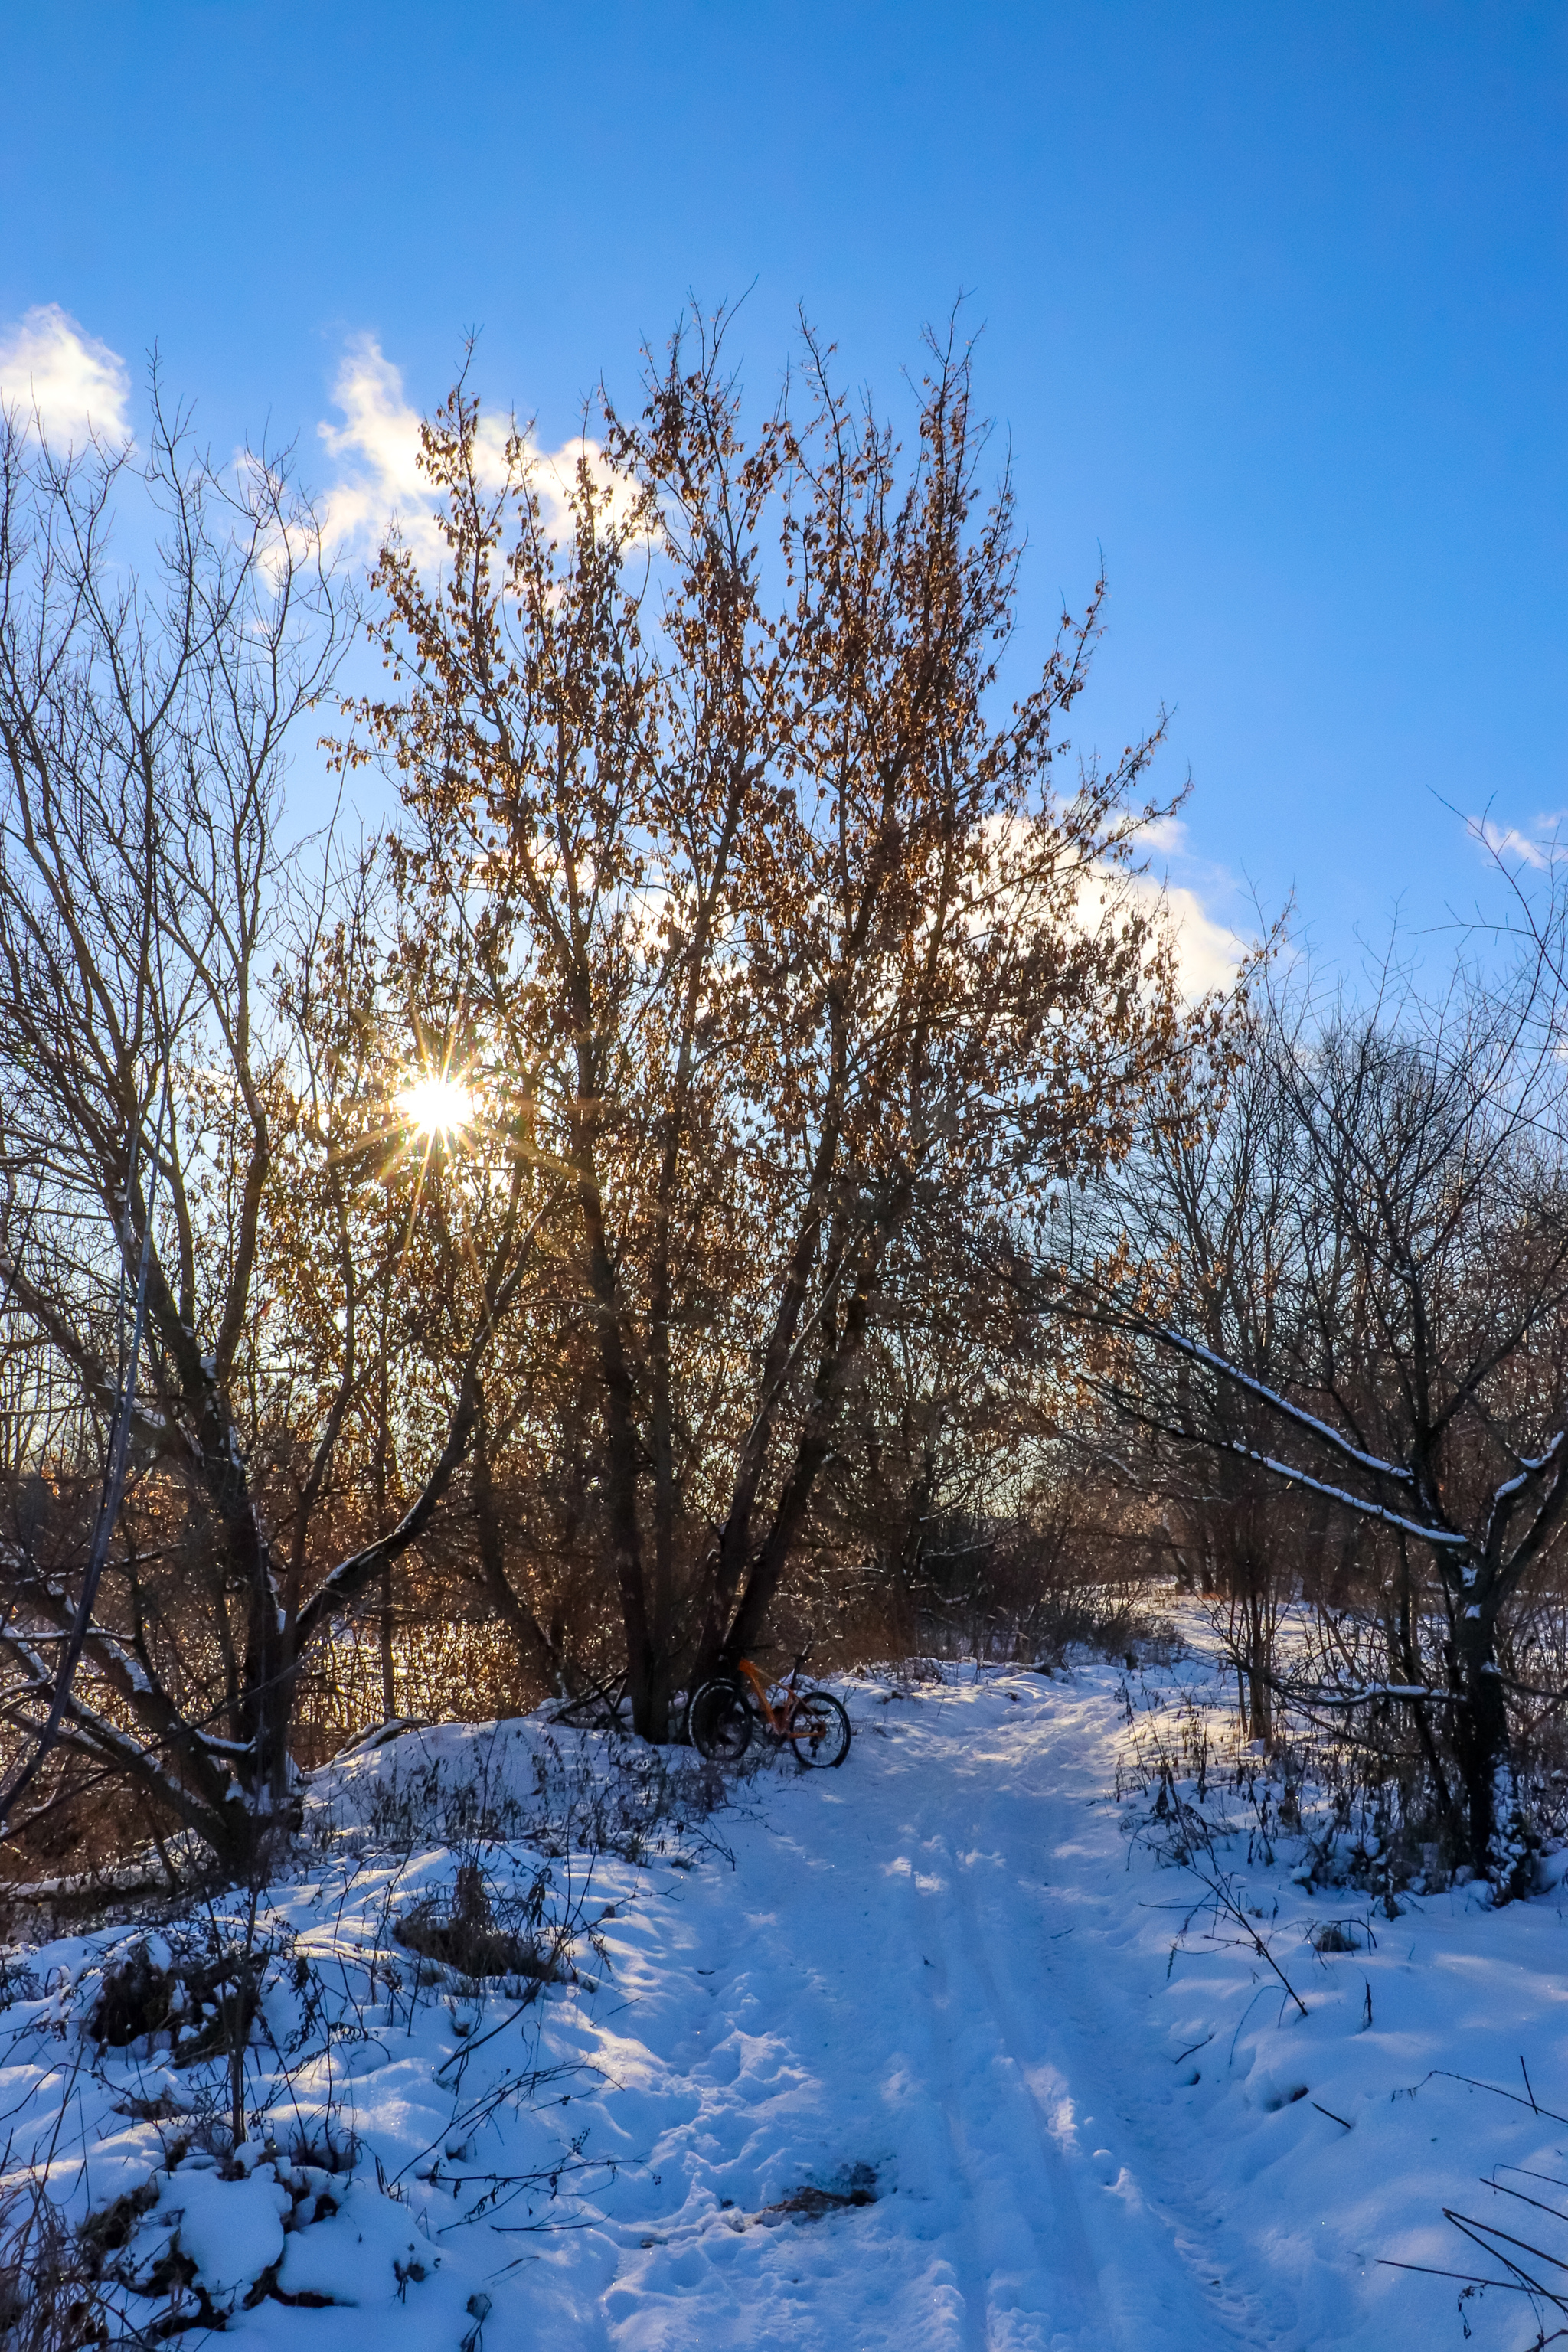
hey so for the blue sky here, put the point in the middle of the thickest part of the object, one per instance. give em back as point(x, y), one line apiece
point(1273, 299)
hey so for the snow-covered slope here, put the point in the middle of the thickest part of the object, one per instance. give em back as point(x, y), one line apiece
point(918, 2067)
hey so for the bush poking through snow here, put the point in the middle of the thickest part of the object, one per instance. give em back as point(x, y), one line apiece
point(193, 1998)
point(1532, 2266)
point(1336, 1935)
point(49, 2299)
point(560, 1791)
point(463, 1933)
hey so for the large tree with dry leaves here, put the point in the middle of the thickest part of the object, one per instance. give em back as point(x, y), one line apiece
point(726, 826)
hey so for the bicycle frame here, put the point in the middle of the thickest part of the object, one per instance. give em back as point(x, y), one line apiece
point(781, 1723)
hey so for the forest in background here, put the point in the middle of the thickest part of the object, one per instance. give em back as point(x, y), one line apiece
point(733, 1157)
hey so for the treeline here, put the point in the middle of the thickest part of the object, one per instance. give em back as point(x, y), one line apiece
point(561, 1218)
point(732, 1155)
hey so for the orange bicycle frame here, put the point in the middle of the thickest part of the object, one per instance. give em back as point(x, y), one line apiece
point(782, 1724)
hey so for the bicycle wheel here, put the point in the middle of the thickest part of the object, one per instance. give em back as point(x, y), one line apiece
point(719, 1723)
point(819, 1730)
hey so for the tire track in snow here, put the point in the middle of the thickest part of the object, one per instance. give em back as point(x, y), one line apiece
point(1034, 2281)
point(1086, 2056)
point(940, 2004)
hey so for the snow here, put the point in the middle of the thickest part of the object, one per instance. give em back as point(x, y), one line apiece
point(232, 2230)
point(933, 2051)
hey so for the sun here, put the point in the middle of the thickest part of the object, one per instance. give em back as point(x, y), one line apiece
point(436, 1106)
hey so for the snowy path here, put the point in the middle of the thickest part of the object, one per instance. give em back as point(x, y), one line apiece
point(945, 1962)
point(920, 1966)
point(943, 1978)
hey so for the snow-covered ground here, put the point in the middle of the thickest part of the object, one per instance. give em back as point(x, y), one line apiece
point(928, 2052)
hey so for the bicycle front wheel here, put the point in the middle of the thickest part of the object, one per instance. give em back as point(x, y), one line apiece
point(819, 1730)
point(719, 1723)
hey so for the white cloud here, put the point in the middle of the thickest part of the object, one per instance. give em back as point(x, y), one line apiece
point(1167, 832)
point(1542, 848)
point(52, 370)
point(376, 447)
point(1207, 953)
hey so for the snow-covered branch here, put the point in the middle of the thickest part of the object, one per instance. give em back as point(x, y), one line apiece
point(1446, 1537)
point(1323, 1431)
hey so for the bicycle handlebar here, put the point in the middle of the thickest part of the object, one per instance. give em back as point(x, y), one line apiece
point(763, 1649)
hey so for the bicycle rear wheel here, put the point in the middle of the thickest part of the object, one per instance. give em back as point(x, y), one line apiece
point(819, 1730)
point(719, 1723)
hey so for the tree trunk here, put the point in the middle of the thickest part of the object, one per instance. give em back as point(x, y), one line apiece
point(388, 1665)
point(815, 1444)
point(647, 1674)
point(1497, 1851)
point(382, 1467)
point(1259, 1668)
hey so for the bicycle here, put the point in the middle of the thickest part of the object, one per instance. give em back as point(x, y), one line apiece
point(598, 1709)
point(724, 1711)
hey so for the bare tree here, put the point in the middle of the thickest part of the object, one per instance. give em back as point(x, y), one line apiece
point(1211, 1200)
point(1396, 1359)
point(166, 1084)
